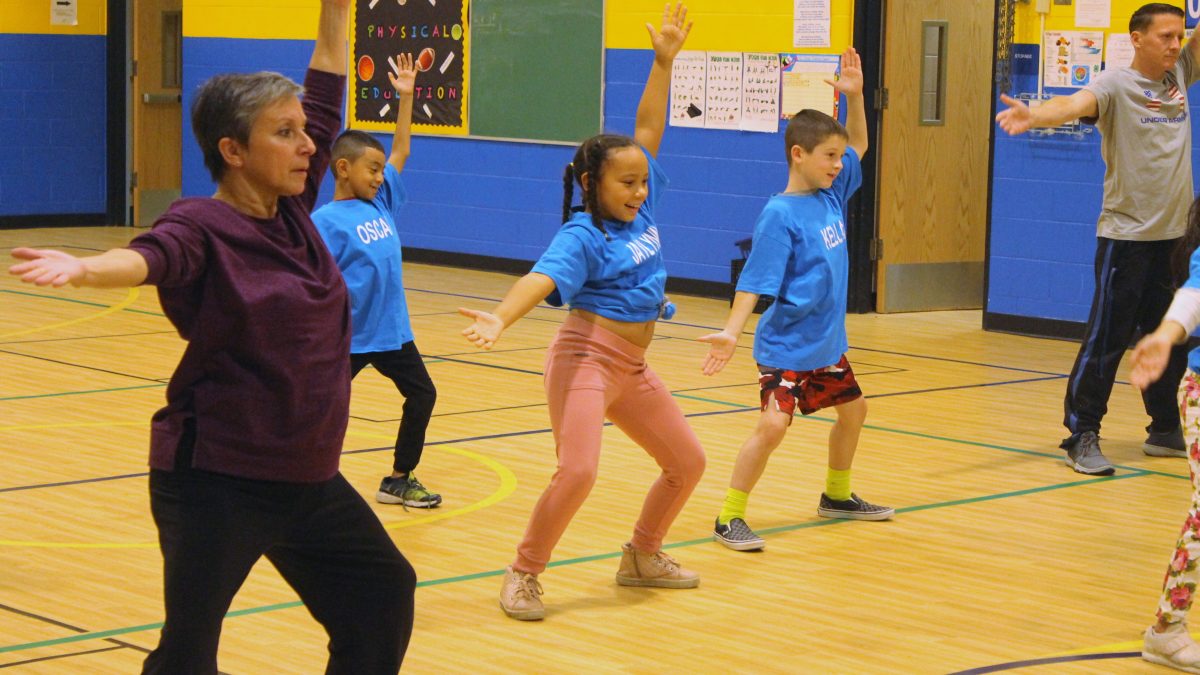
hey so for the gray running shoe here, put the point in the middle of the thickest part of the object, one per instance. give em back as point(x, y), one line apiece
point(737, 535)
point(1165, 444)
point(1084, 456)
point(407, 491)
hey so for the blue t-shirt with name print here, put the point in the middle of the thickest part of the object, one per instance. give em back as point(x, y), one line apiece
point(1193, 281)
point(622, 278)
point(799, 257)
point(362, 237)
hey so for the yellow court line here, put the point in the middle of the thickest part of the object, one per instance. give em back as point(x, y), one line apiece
point(130, 298)
point(508, 484)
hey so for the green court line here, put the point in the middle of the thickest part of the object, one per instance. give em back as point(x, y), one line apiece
point(78, 302)
point(85, 391)
point(876, 427)
point(1135, 473)
point(1131, 473)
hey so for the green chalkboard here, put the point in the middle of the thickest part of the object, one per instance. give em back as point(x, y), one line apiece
point(537, 69)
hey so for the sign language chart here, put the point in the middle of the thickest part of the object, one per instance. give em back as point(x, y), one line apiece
point(687, 89)
point(760, 93)
point(726, 90)
point(723, 91)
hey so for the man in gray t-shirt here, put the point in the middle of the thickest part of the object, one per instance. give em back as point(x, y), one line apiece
point(1142, 113)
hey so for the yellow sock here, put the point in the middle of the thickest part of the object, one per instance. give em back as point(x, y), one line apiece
point(837, 484)
point(734, 506)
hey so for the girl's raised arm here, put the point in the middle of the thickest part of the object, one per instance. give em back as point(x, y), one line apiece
point(652, 110)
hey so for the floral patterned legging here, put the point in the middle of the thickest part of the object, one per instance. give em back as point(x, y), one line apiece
point(1183, 573)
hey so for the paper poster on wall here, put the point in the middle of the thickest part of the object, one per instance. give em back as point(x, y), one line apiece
point(436, 34)
point(1093, 13)
point(803, 77)
point(1118, 50)
point(723, 91)
point(64, 12)
point(687, 90)
point(811, 20)
point(1072, 58)
point(760, 93)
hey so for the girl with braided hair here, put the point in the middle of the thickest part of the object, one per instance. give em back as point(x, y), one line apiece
point(605, 264)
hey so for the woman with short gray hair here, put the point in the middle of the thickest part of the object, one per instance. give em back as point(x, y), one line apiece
point(244, 456)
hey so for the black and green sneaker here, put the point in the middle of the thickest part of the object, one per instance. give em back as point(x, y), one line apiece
point(407, 491)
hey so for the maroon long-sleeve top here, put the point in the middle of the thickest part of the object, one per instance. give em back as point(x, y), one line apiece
point(264, 311)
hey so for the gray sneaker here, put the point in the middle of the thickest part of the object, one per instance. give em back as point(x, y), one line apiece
point(1165, 444)
point(855, 508)
point(1084, 456)
point(737, 535)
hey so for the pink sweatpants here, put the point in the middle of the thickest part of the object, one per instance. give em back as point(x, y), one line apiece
point(592, 373)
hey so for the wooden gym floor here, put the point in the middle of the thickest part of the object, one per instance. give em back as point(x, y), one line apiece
point(999, 557)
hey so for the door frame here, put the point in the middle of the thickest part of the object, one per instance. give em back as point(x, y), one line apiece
point(863, 209)
point(117, 126)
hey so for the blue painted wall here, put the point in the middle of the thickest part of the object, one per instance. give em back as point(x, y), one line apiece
point(504, 199)
point(1046, 196)
point(52, 124)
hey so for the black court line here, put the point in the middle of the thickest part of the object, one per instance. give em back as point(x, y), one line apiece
point(542, 405)
point(81, 481)
point(969, 386)
point(715, 329)
point(59, 656)
point(77, 301)
point(488, 352)
point(949, 360)
point(1013, 665)
point(120, 644)
point(74, 246)
point(451, 414)
point(88, 337)
point(671, 323)
point(492, 365)
point(732, 410)
point(78, 365)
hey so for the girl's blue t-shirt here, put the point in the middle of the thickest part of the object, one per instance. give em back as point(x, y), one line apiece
point(362, 237)
point(622, 278)
point(799, 257)
point(1193, 281)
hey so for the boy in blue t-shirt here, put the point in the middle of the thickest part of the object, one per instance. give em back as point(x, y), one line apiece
point(359, 227)
point(799, 257)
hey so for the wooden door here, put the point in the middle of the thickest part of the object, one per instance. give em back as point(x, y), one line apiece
point(156, 110)
point(933, 162)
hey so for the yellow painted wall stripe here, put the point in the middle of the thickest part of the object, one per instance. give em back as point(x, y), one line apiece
point(33, 16)
point(762, 25)
point(251, 19)
point(720, 25)
point(1062, 17)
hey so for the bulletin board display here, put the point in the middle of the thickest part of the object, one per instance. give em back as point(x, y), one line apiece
point(524, 70)
point(437, 35)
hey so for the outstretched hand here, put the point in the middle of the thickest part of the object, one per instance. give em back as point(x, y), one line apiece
point(1149, 360)
point(45, 267)
point(485, 330)
point(1017, 119)
point(722, 345)
point(404, 79)
point(668, 40)
point(850, 77)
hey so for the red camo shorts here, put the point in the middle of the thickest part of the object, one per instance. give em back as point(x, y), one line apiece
point(808, 390)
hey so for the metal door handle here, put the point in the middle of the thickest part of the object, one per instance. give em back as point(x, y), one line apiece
point(162, 98)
